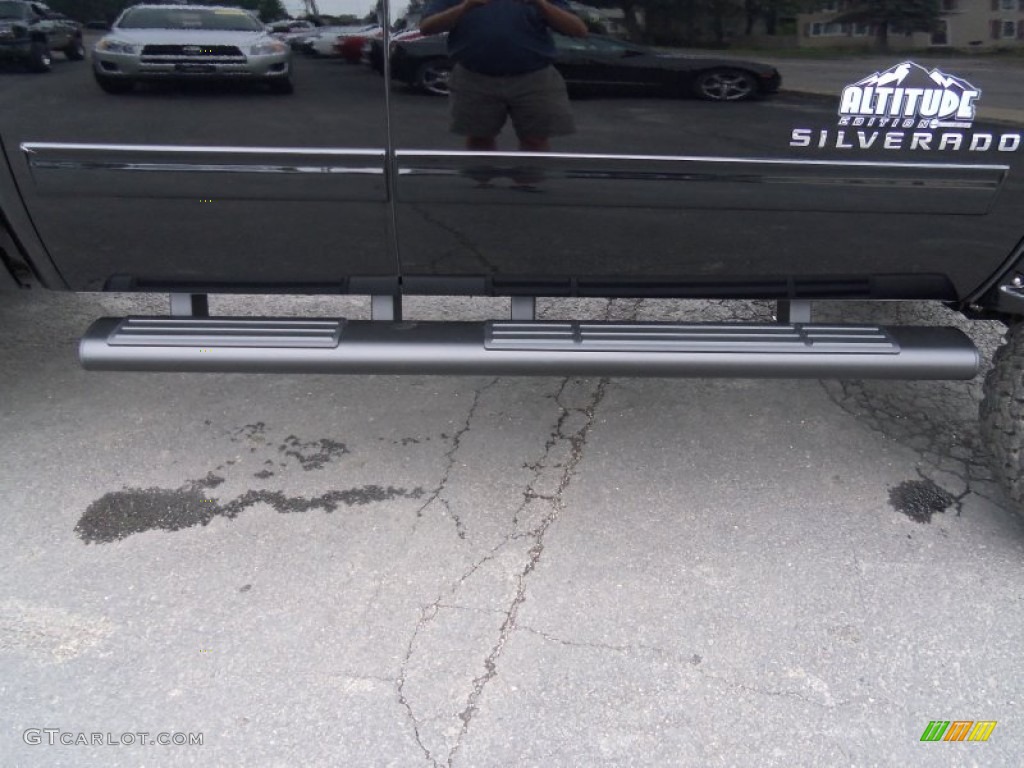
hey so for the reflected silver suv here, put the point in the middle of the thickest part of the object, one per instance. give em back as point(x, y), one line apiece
point(189, 42)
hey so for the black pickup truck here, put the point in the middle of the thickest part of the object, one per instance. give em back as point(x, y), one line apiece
point(884, 176)
point(30, 32)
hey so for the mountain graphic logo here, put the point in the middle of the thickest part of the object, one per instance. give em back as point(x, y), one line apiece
point(912, 93)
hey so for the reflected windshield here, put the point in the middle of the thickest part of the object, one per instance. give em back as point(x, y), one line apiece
point(223, 19)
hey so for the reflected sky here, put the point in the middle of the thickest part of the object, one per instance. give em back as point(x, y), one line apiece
point(330, 7)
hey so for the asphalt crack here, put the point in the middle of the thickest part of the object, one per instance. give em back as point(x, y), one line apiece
point(427, 613)
point(691, 663)
point(436, 495)
point(627, 648)
point(577, 443)
point(556, 506)
point(460, 237)
point(571, 430)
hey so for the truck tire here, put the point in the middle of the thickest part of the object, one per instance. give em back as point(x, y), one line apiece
point(39, 59)
point(1002, 413)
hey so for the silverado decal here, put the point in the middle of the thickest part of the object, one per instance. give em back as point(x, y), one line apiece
point(908, 107)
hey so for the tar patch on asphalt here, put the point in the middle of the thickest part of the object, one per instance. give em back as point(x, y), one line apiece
point(313, 455)
point(210, 481)
point(920, 499)
point(119, 514)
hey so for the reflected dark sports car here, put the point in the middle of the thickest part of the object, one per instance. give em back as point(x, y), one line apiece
point(604, 65)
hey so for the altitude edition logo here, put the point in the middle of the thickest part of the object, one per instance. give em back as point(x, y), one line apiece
point(909, 96)
point(908, 107)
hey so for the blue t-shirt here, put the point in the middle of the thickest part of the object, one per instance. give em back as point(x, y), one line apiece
point(500, 37)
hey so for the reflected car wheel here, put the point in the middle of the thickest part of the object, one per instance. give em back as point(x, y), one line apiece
point(725, 85)
point(432, 77)
point(75, 51)
point(39, 59)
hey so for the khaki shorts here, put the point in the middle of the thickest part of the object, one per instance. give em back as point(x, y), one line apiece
point(537, 102)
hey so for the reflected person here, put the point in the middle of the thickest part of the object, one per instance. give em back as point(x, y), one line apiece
point(503, 52)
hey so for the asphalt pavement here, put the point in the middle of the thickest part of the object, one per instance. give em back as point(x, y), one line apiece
point(307, 570)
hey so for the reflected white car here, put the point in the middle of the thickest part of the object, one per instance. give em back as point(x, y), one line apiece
point(189, 42)
point(325, 40)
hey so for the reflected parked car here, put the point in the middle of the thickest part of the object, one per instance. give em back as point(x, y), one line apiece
point(604, 65)
point(354, 48)
point(325, 41)
point(293, 31)
point(189, 42)
point(375, 55)
point(29, 31)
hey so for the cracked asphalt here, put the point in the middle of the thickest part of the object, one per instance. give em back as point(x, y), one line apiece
point(383, 571)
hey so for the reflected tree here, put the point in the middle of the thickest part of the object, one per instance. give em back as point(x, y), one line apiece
point(108, 10)
point(694, 22)
point(405, 14)
point(769, 13)
point(900, 16)
point(90, 10)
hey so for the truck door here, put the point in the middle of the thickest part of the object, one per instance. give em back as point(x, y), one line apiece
point(722, 187)
point(192, 152)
